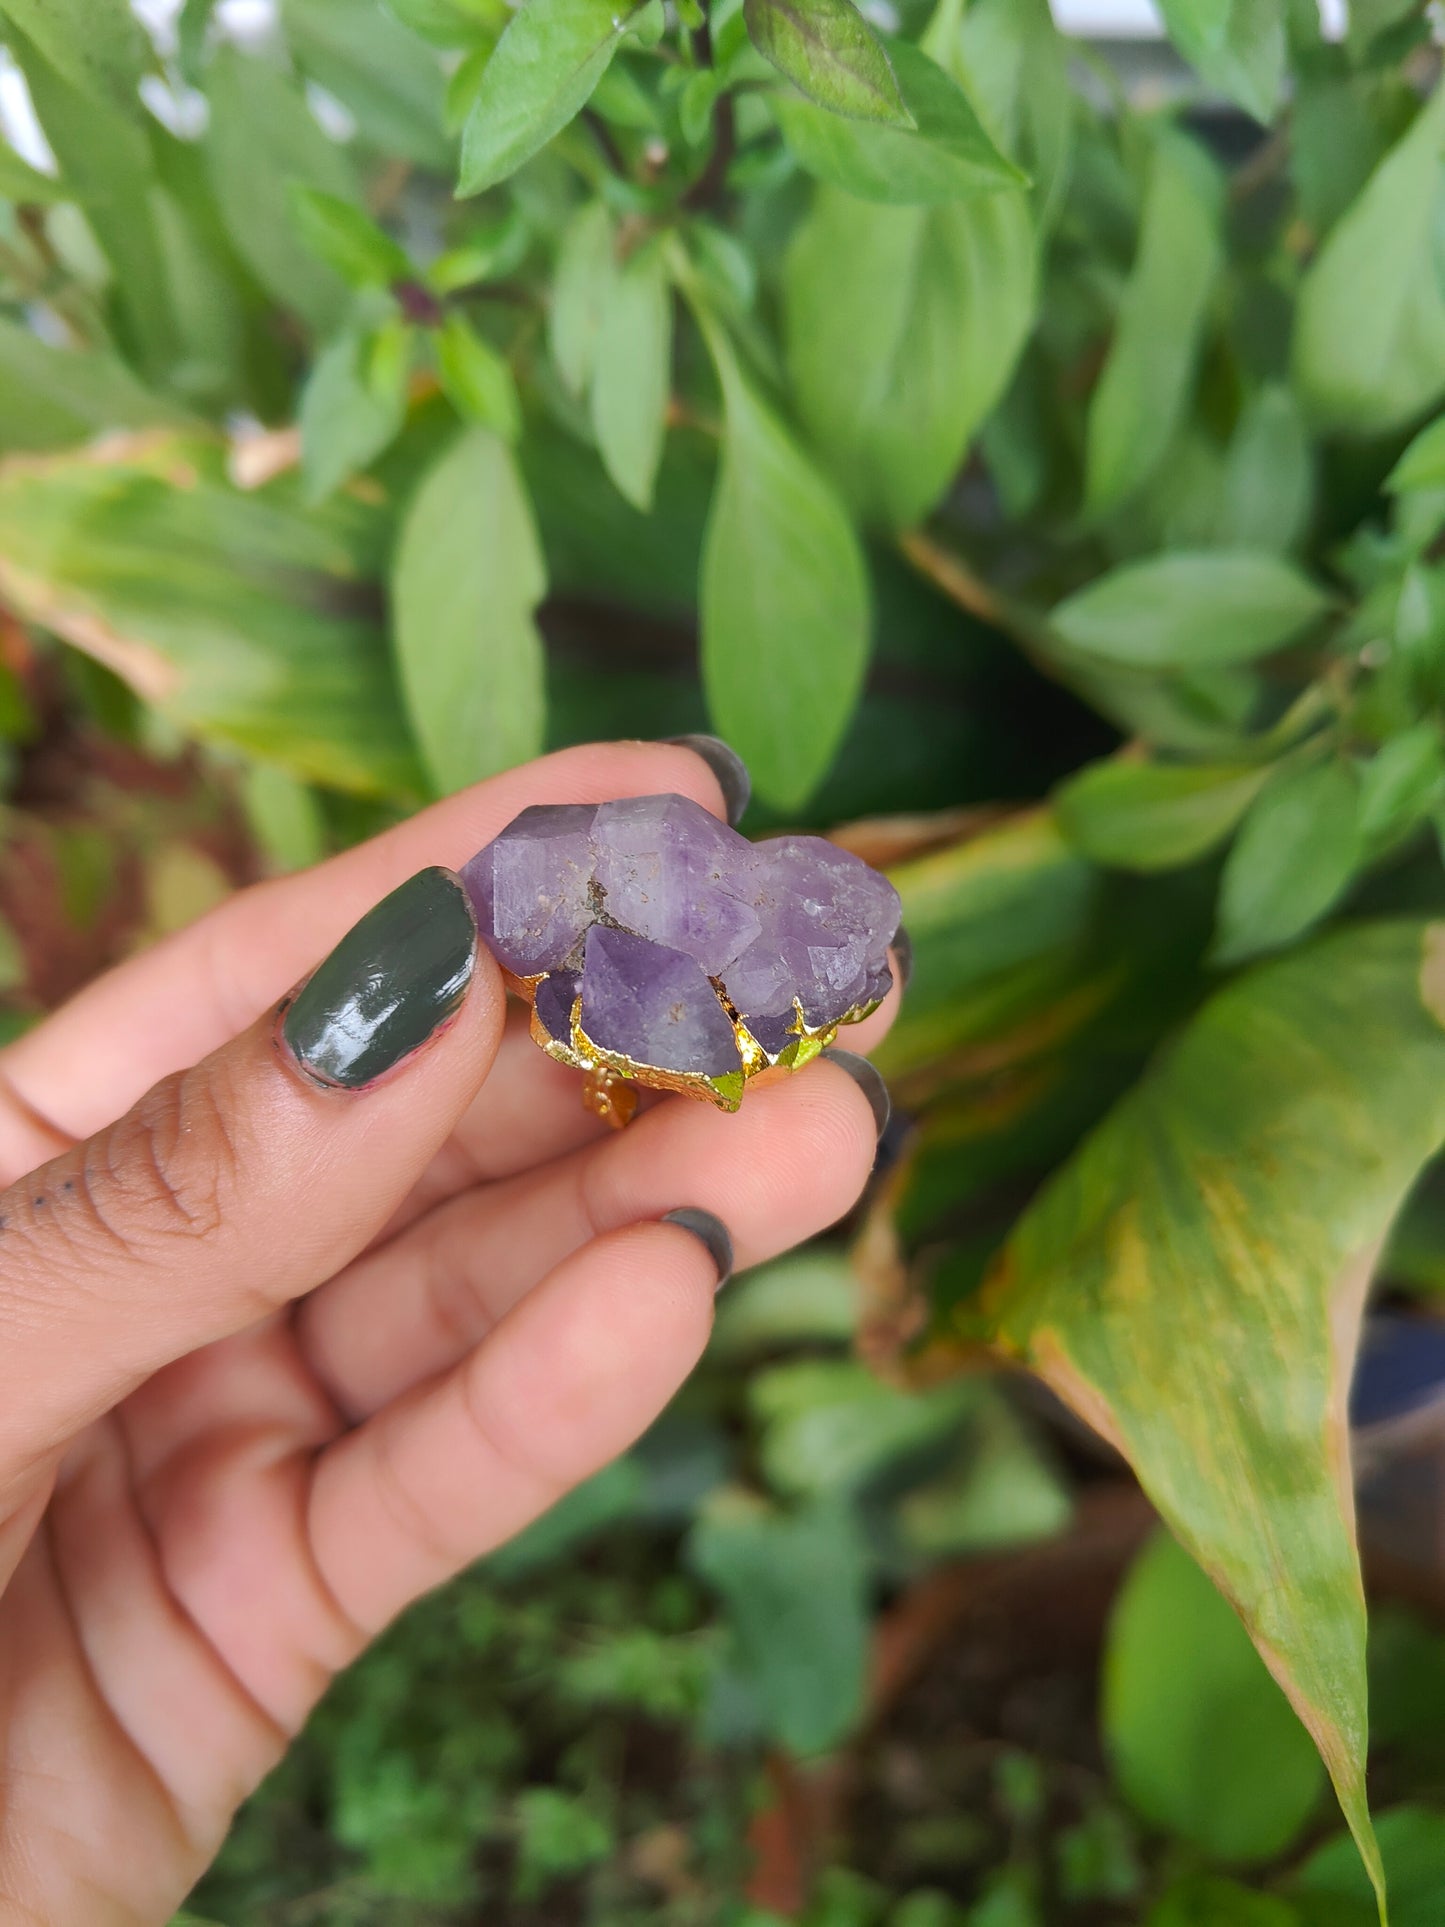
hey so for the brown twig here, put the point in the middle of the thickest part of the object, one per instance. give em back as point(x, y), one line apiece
point(709, 187)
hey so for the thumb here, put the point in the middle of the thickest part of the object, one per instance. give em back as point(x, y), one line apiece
point(239, 1184)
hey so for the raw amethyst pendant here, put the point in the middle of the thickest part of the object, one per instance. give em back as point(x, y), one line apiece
point(659, 947)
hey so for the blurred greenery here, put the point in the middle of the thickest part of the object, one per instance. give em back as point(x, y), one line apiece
point(1040, 479)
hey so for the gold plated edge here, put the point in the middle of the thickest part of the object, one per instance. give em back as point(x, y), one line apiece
point(602, 1066)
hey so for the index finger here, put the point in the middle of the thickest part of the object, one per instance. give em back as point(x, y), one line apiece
point(171, 1006)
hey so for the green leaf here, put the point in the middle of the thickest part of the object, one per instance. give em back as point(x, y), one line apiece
point(1238, 47)
point(833, 1424)
point(1191, 1282)
point(785, 605)
point(1145, 388)
point(558, 1837)
point(240, 616)
point(1423, 463)
point(53, 397)
point(489, 250)
point(261, 143)
point(1296, 853)
point(392, 86)
point(695, 105)
point(96, 45)
point(108, 162)
point(283, 817)
point(795, 1588)
point(1209, 1900)
point(903, 327)
point(467, 580)
point(340, 234)
point(1334, 1891)
point(346, 416)
point(477, 379)
point(1269, 475)
point(1369, 342)
point(1154, 816)
point(1401, 784)
point(1204, 1743)
point(949, 155)
point(811, 1295)
point(1184, 611)
point(632, 372)
point(998, 1491)
point(999, 921)
point(546, 64)
point(446, 23)
point(1010, 58)
point(827, 48)
point(584, 271)
point(24, 184)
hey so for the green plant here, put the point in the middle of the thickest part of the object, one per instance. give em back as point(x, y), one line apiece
point(902, 362)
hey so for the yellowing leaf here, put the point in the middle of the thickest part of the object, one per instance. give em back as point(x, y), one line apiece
point(1191, 1283)
point(240, 615)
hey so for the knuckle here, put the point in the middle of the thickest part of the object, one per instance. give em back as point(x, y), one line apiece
point(169, 1167)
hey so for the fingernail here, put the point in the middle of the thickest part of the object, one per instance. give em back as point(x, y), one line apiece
point(708, 1231)
point(903, 956)
point(869, 1080)
point(726, 765)
point(389, 985)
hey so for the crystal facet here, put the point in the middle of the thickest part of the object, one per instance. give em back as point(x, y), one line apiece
point(531, 888)
point(653, 1005)
point(698, 956)
point(671, 872)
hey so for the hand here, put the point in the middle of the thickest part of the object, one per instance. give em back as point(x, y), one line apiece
point(275, 1358)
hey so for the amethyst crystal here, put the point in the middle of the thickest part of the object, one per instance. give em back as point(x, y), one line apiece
point(672, 928)
point(653, 1005)
point(673, 873)
point(556, 994)
point(531, 888)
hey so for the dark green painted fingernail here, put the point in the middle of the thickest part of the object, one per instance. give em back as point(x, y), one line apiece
point(726, 765)
point(389, 985)
point(869, 1080)
point(710, 1232)
point(903, 956)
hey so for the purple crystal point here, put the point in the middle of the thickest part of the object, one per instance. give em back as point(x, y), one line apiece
point(827, 921)
point(531, 887)
point(654, 1005)
point(672, 872)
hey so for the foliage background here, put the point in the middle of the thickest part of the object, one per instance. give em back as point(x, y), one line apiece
point(1041, 481)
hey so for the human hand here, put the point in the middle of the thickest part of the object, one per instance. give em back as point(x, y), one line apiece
point(275, 1359)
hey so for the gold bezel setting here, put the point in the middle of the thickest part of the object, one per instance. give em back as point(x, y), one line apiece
point(609, 1074)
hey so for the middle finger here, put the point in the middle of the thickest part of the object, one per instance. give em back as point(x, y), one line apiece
point(787, 1165)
